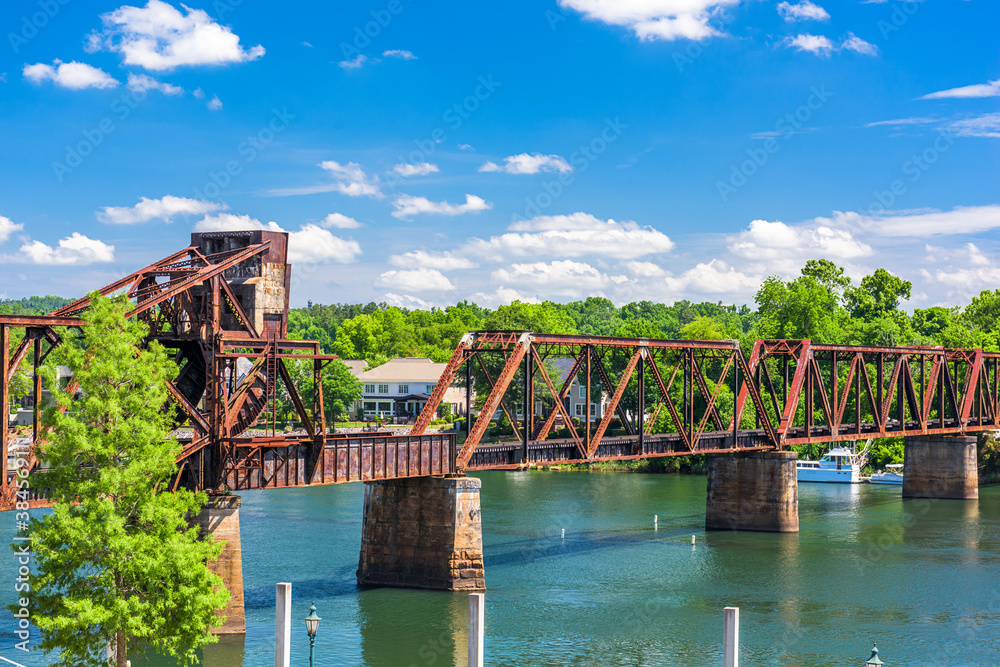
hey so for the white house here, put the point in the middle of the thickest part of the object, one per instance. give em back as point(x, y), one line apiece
point(401, 387)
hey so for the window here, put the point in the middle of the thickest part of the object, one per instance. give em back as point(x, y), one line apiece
point(593, 411)
point(383, 389)
point(369, 406)
point(430, 388)
point(583, 392)
point(404, 389)
point(579, 409)
point(369, 389)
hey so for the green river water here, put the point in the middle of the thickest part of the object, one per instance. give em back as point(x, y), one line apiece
point(922, 578)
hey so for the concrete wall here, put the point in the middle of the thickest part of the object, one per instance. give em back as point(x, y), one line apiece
point(423, 532)
point(753, 491)
point(221, 518)
point(940, 466)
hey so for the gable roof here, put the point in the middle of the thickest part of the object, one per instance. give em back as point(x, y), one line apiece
point(405, 369)
point(356, 366)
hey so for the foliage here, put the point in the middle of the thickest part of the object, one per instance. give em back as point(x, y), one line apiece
point(122, 563)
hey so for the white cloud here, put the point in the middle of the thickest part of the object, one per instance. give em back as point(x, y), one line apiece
point(654, 19)
point(525, 163)
point(959, 220)
point(803, 11)
point(713, 277)
point(312, 244)
point(573, 235)
point(309, 245)
point(776, 240)
point(987, 125)
point(143, 82)
point(155, 209)
point(817, 44)
point(7, 228)
point(408, 301)
point(72, 75)
point(502, 295)
point(419, 169)
point(465, 147)
point(822, 46)
point(340, 221)
point(990, 89)
point(965, 281)
point(198, 93)
point(159, 37)
point(354, 63)
point(903, 121)
point(399, 53)
point(415, 280)
point(442, 261)
point(215, 103)
point(75, 249)
point(564, 278)
point(854, 43)
point(644, 269)
point(408, 206)
point(351, 179)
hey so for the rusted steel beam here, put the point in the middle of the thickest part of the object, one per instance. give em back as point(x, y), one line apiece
point(559, 404)
point(613, 402)
point(458, 357)
point(543, 431)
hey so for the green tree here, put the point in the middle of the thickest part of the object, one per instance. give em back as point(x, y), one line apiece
point(116, 559)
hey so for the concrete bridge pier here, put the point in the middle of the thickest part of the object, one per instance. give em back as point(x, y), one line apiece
point(423, 532)
point(940, 466)
point(220, 517)
point(753, 491)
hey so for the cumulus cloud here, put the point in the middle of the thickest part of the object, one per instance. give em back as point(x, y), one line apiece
point(421, 169)
point(351, 179)
point(571, 236)
point(215, 104)
point(164, 209)
point(817, 44)
point(854, 43)
point(415, 280)
point(399, 53)
point(442, 261)
point(143, 82)
point(7, 228)
point(525, 163)
point(776, 240)
point(311, 244)
point(408, 206)
point(408, 301)
point(802, 11)
point(72, 75)
point(76, 249)
point(340, 221)
point(564, 278)
point(160, 37)
point(654, 19)
point(500, 296)
point(712, 278)
point(990, 89)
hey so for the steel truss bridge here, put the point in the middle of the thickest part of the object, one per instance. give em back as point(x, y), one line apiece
point(221, 307)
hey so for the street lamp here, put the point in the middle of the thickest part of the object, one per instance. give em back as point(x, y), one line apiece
point(873, 661)
point(312, 625)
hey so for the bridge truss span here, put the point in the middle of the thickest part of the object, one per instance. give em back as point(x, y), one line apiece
point(638, 398)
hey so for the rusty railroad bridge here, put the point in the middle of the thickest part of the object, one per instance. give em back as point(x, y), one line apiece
point(221, 306)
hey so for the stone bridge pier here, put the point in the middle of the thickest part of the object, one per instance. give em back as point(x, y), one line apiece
point(940, 466)
point(423, 532)
point(220, 517)
point(753, 491)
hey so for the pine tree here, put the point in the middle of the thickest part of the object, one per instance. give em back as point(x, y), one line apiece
point(118, 563)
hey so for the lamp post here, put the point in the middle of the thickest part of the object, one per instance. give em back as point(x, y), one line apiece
point(873, 661)
point(312, 625)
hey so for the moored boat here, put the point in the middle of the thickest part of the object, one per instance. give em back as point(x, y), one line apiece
point(893, 474)
point(838, 466)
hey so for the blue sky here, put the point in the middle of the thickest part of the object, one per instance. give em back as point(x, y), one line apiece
point(425, 153)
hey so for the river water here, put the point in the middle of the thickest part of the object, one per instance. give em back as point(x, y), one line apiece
point(922, 578)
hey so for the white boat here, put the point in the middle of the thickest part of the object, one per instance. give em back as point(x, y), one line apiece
point(893, 474)
point(838, 466)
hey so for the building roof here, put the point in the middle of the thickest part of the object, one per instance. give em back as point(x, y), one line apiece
point(406, 369)
point(356, 366)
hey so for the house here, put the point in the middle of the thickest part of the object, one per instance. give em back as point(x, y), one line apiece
point(576, 398)
point(401, 387)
